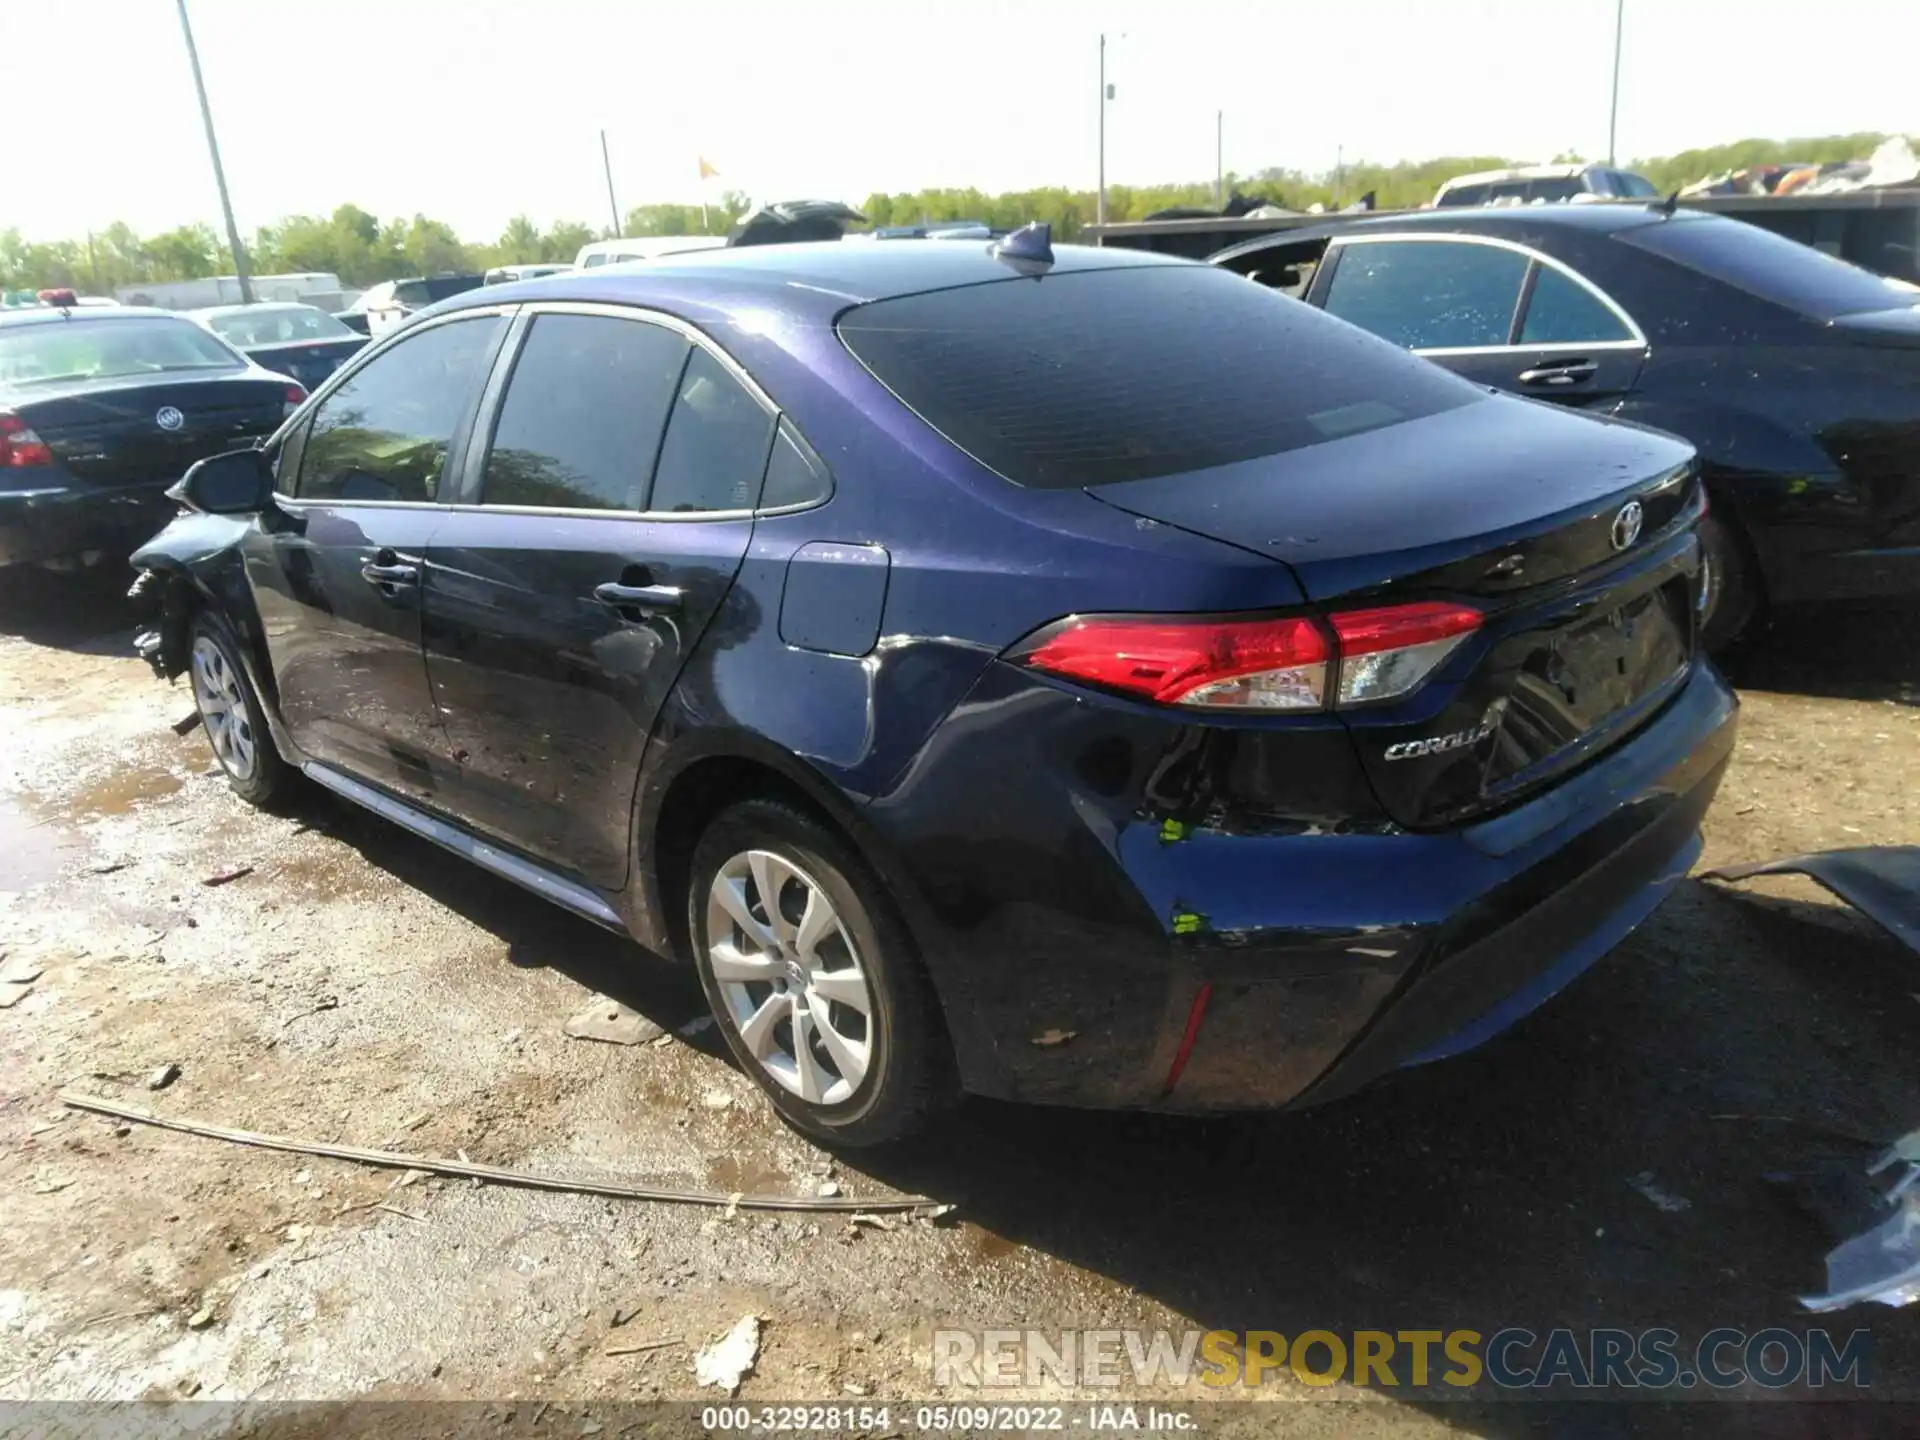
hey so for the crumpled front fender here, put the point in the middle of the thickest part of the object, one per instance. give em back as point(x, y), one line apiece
point(195, 560)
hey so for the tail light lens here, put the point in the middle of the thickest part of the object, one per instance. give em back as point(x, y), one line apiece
point(1214, 664)
point(296, 396)
point(1390, 652)
point(19, 446)
point(1279, 664)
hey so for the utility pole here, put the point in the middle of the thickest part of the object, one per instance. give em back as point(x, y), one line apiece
point(1219, 160)
point(1339, 174)
point(606, 165)
point(1100, 203)
point(213, 149)
point(1613, 111)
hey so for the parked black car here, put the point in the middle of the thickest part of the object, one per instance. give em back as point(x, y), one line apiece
point(1067, 675)
point(1796, 375)
point(302, 341)
point(101, 409)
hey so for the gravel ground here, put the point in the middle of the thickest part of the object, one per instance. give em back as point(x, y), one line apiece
point(359, 987)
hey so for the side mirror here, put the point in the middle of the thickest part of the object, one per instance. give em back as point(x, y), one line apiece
point(237, 483)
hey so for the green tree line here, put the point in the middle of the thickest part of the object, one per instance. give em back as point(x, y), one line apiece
point(362, 249)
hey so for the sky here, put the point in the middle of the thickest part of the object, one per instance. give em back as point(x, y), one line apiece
point(472, 111)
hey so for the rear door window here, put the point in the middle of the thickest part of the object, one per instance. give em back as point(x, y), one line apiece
point(1429, 294)
point(584, 411)
point(795, 475)
point(1563, 312)
point(1475, 194)
point(716, 446)
point(1088, 377)
point(384, 434)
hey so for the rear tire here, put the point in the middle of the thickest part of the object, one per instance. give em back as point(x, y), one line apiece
point(813, 978)
point(231, 713)
point(1733, 595)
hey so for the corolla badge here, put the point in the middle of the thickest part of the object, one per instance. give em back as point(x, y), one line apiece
point(1626, 525)
point(168, 418)
point(1456, 740)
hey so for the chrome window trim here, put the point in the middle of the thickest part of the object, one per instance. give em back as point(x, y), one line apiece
point(529, 311)
point(360, 360)
point(521, 317)
point(647, 314)
point(1458, 237)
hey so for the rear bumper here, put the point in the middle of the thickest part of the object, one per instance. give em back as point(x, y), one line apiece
point(63, 521)
point(1583, 866)
point(1290, 967)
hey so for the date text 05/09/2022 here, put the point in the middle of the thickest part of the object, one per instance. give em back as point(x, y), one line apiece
point(938, 1419)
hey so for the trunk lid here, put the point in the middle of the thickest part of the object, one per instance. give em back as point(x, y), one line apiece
point(308, 361)
point(1571, 535)
point(110, 434)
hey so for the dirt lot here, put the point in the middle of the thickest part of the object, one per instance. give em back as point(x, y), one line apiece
point(360, 987)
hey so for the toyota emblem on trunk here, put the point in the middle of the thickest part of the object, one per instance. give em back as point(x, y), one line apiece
point(168, 418)
point(1626, 525)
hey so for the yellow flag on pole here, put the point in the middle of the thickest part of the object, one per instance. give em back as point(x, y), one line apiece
point(707, 172)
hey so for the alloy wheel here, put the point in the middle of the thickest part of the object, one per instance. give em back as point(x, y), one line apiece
point(790, 976)
point(223, 709)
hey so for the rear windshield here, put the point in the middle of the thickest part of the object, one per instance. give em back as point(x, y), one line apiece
point(1558, 188)
point(1770, 266)
point(437, 287)
point(278, 327)
point(108, 349)
point(1095, 377)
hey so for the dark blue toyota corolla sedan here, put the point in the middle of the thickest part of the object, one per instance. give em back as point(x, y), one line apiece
point(1066, 675)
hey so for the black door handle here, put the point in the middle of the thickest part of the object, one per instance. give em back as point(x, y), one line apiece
point(1565, 372)
point(637, 597)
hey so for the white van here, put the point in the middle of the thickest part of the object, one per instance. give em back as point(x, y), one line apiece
point(642, 247)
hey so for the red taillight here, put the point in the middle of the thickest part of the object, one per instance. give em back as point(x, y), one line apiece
point(1226, 664)
point(19, 446)
point(1285, 663)
point(1391, 651)
point(295, 397)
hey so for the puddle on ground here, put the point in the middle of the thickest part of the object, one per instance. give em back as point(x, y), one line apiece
point(34, 850)
point(120, 792)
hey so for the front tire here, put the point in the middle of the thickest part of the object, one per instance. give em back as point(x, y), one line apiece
point(231, 713)
point(812, 977)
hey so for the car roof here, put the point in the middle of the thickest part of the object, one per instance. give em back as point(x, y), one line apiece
point(1523, 172)
point(1598, 217)
point(94, 314)
point(820, 276)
